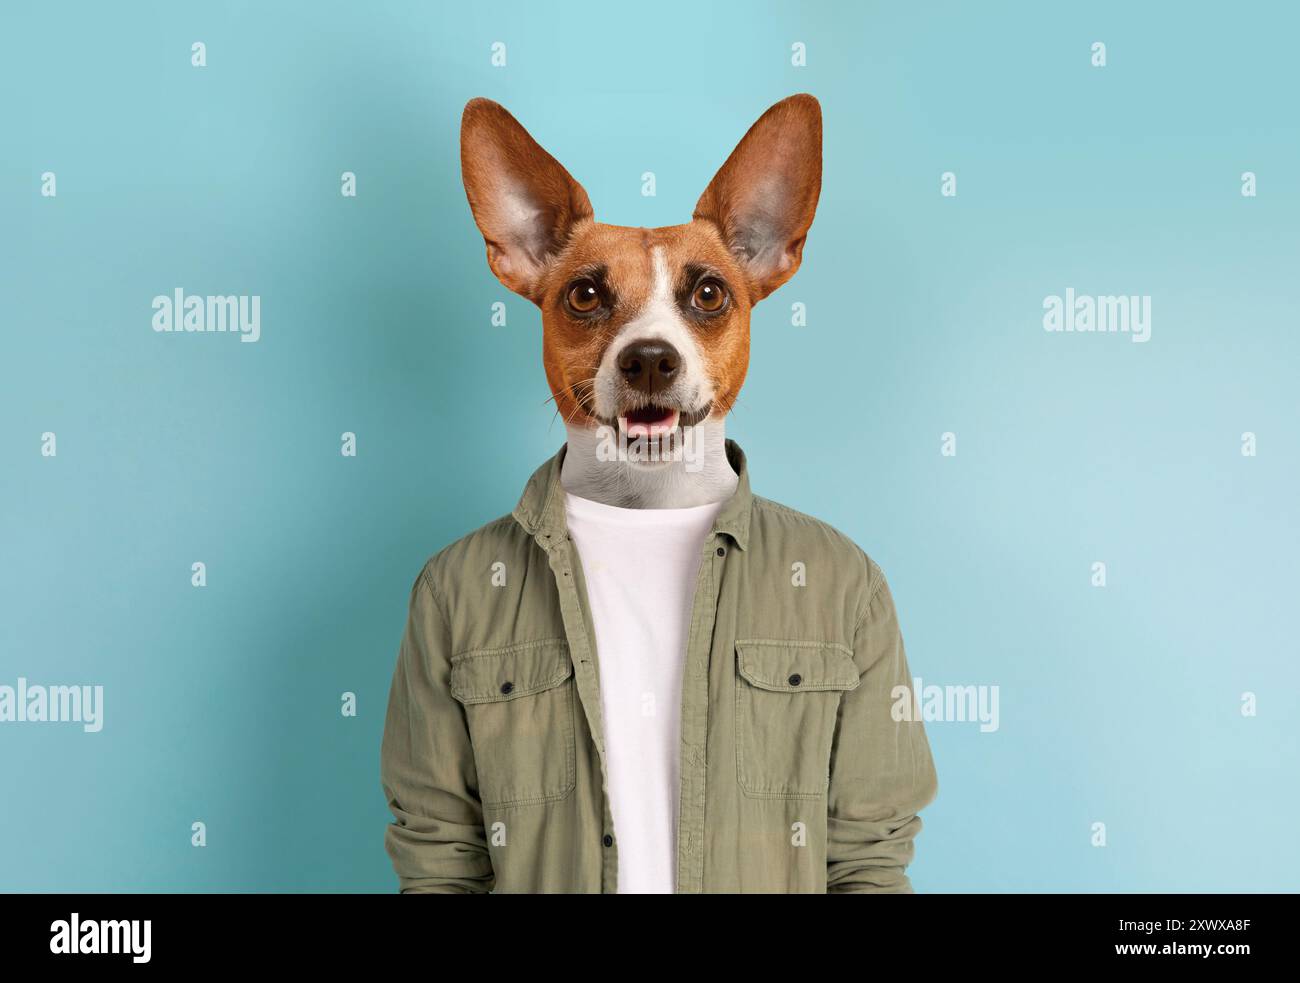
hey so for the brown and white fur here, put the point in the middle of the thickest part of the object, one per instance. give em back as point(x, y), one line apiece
point(645, 332)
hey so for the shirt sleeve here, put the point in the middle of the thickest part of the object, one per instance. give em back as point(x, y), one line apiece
point(882, 772)
point(436, 840)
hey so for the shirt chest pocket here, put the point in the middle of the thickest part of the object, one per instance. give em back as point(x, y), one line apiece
point(518, 703)
point(787, 701)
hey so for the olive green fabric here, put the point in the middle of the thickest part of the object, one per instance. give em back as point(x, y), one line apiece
point(795, 777)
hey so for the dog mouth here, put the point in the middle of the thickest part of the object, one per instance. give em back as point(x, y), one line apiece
point(653, 421)
point(650, 421)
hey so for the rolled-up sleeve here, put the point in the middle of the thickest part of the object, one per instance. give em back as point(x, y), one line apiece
point(436, 840)
point(882, 772)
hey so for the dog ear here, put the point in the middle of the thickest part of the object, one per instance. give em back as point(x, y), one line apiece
point(764, 197)
point(524, 202)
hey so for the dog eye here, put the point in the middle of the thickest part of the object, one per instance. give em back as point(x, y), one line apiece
point(709, 296)
point(583, 296)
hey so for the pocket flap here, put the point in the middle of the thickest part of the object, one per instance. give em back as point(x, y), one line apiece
point(499, 674)
point(797, 667)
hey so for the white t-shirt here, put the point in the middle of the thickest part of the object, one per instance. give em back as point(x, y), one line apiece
point(640, 566)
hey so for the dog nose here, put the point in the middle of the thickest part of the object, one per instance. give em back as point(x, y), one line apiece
point(649, 366)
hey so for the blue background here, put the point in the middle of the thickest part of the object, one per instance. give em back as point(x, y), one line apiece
point(1118, 705)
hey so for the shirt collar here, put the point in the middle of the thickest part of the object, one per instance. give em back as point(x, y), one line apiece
point(541, 507)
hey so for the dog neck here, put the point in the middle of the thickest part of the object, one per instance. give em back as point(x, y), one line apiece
point(702, 476)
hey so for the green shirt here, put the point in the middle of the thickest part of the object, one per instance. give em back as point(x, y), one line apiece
point(795, 776)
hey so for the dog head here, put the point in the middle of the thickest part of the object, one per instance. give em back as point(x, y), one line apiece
point(644, 329)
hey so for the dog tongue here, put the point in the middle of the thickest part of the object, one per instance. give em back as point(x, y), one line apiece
point(649, 421)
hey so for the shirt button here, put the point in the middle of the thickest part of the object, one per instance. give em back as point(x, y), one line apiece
point(795, 680)
point(608, 840)
point(721, 551)
point(507, 687)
